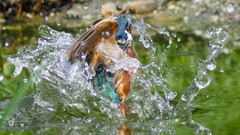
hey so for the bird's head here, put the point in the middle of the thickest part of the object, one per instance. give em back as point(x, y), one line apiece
point(123, 34)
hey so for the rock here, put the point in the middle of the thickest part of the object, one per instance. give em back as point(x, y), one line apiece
point(140, 7)
point(237, 18)
point(109, 9)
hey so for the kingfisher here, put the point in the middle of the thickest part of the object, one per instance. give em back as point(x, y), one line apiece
point(103, 46)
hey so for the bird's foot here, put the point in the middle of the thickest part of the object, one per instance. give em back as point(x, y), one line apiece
point(125, 108)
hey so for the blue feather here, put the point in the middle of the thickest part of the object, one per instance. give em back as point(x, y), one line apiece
point(105, 84)
point(124, 22)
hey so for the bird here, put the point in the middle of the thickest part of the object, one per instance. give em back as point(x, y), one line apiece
point(100, 46)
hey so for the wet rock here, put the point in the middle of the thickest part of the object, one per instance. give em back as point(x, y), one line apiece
point(140, 7)
point(109, 9)
point(73, 14)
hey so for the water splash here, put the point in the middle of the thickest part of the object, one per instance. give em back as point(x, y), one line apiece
point(64, 87)
point(122, 60)
point(54, 75)
point(201, 81)
point(61, 85)
point(230, 7)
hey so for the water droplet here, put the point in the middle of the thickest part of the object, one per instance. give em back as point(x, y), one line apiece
point(11, 122)
point(202, 81)
point(170, 95)
point(230, 7)
point(83, 56)
point(198, 32)
point(178, 39)
point(6, 44)
point(46, 18)
point(221, 69)
point(1, 77)
point(22, 125)
point(174, 34)
point(211, 30)
point(229, 21)
point(63, 91)
point(210, 63)
point(170, 42)
point(107, 33)
point(215, 44)
point(98, 8)
point(86, 5)
point(221, 34)
point(25, 79)
point(29, 15)
point(82, 43)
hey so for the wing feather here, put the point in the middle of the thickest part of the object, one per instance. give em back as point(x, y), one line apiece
point(86, 43)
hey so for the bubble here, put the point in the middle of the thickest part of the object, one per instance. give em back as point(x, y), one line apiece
point(230, 7)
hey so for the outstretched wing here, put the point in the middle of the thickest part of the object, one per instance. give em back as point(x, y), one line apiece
point(92, 37)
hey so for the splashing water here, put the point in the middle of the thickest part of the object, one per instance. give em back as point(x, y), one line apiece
point(63, 86)
point(59, 84)
point(230, 7)
point(201, 81)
